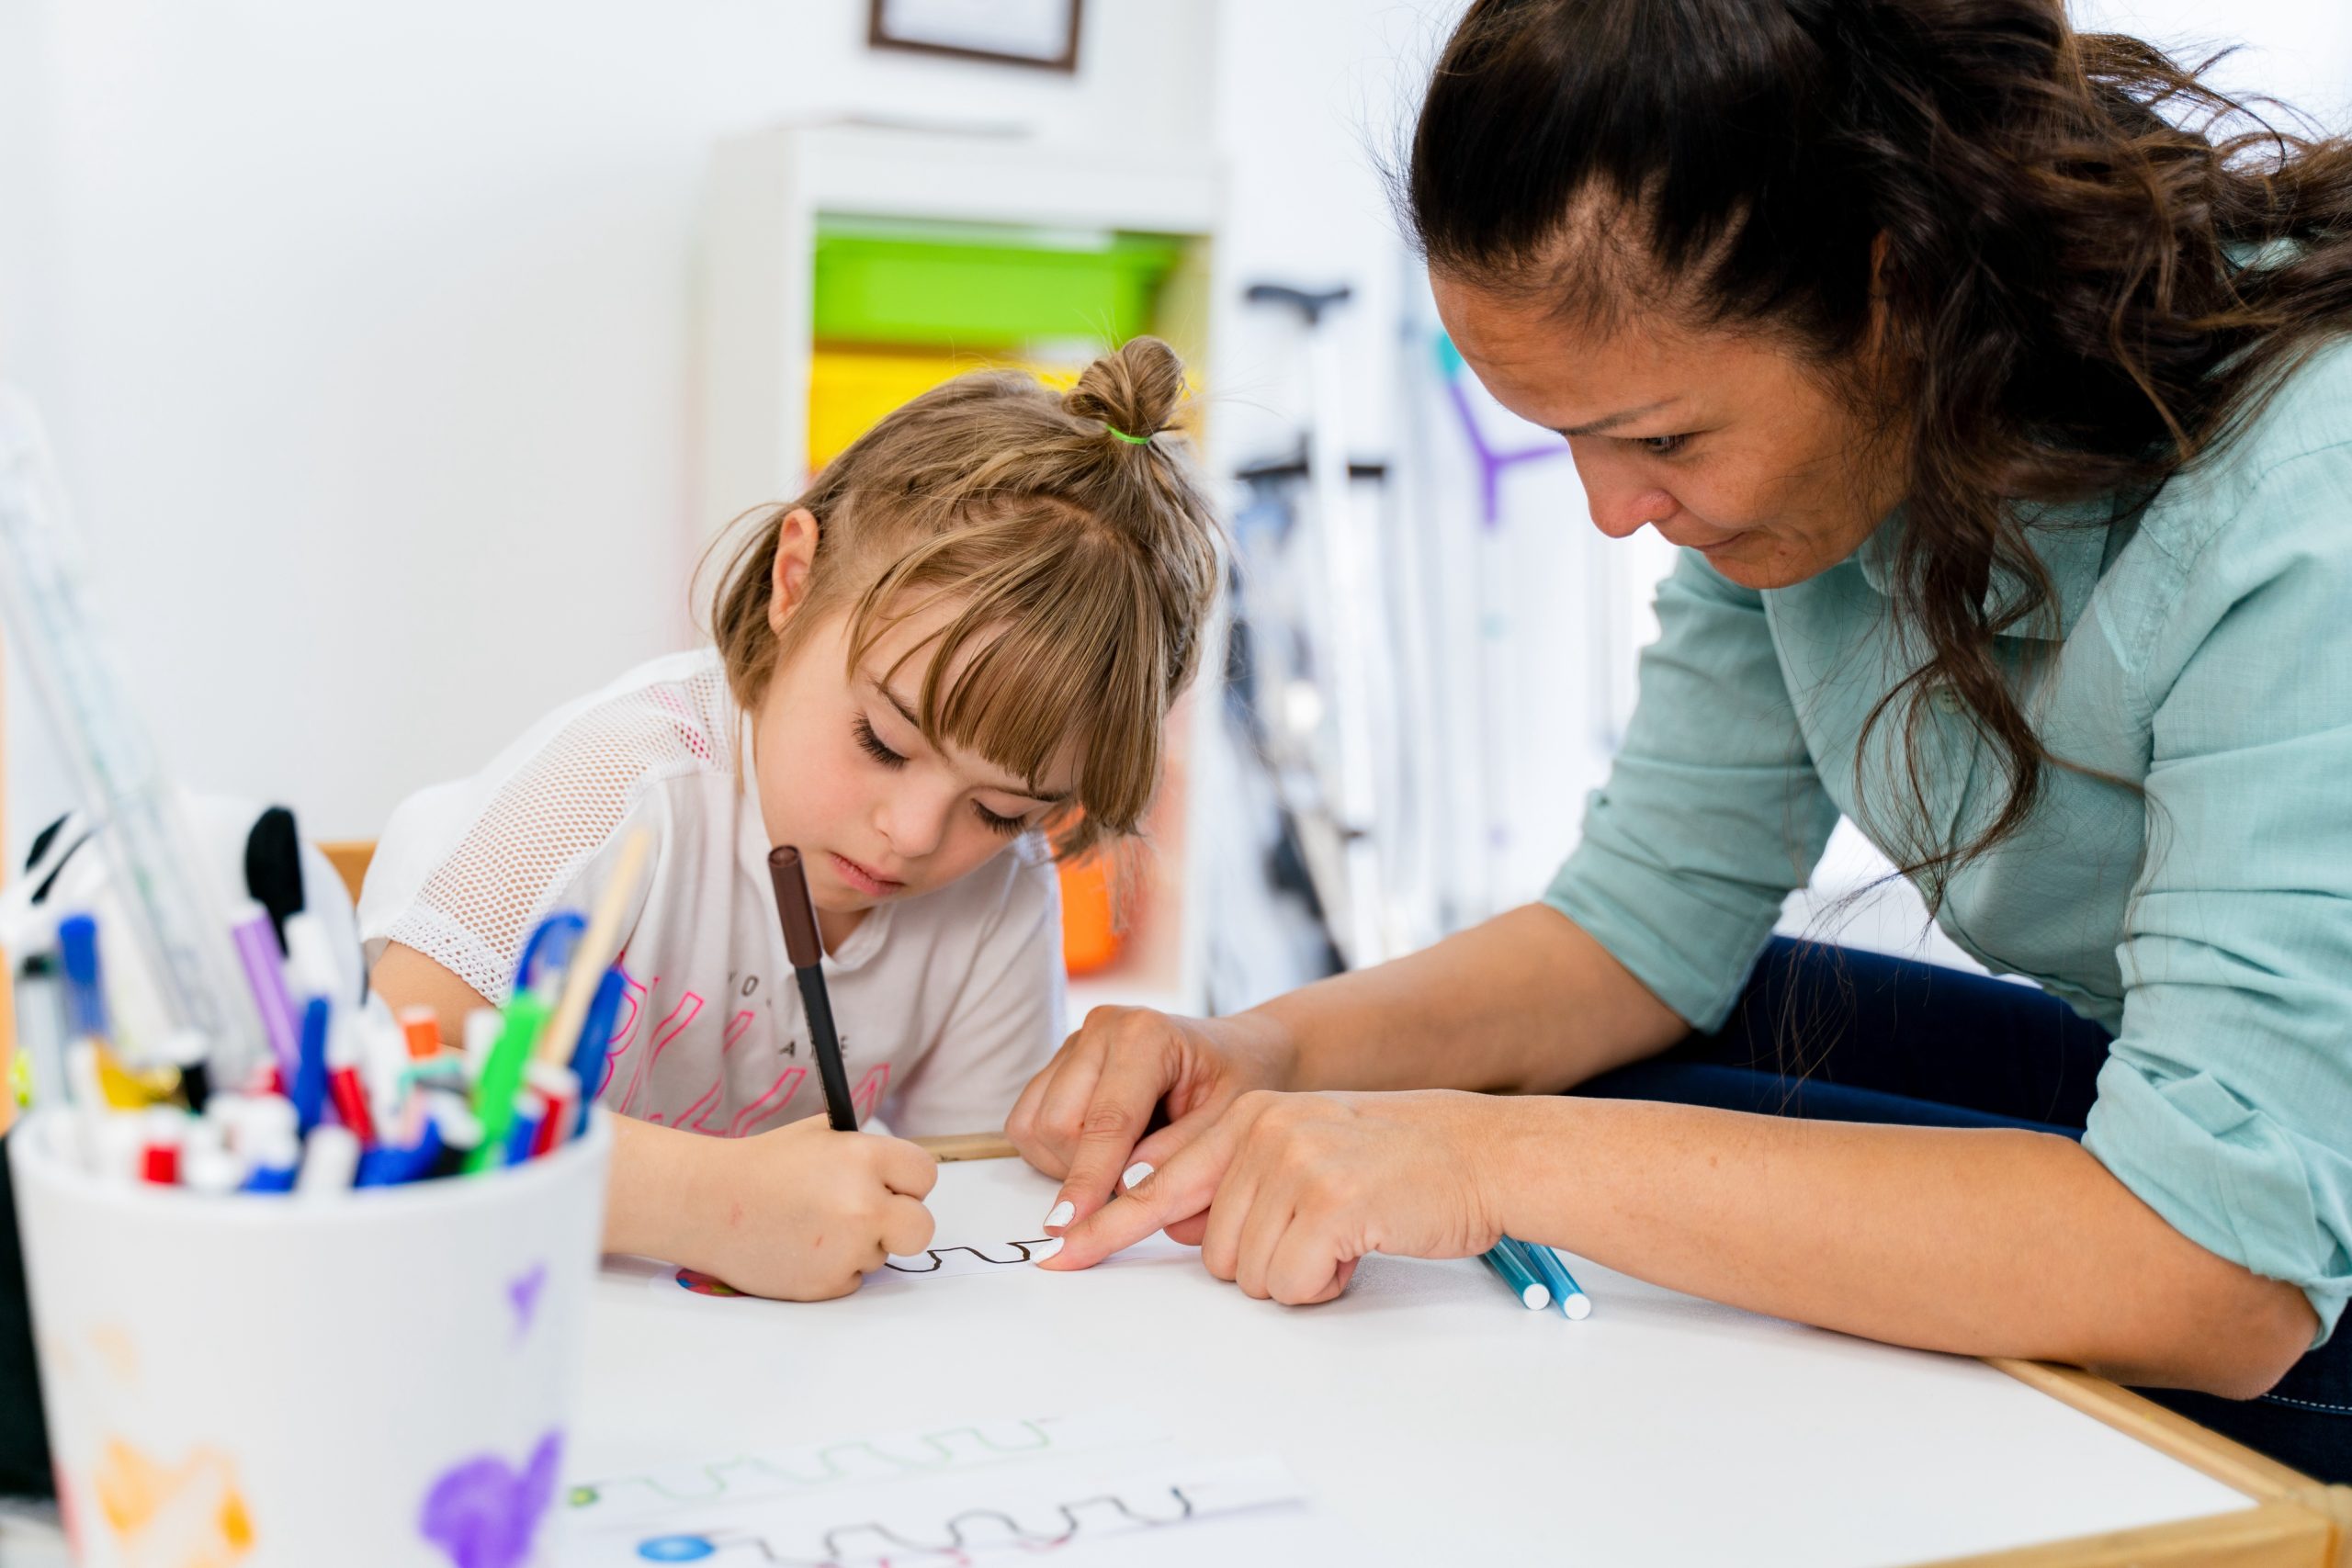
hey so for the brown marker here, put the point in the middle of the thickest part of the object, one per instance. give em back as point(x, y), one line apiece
point(797, 915)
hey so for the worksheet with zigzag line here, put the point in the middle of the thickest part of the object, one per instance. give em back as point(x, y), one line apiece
point(1071, 1487)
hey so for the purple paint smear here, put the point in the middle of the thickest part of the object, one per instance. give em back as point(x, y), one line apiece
point(1491, 463)
point(484, 1515)
point(523, 1291)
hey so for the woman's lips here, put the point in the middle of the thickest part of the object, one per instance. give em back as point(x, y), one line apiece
point(865, 880)
point(1703, 546)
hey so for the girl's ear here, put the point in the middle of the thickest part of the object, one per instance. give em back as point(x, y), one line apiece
point(796, 554)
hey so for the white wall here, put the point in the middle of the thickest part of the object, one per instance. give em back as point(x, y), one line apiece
point(362, 331)
point(2299, 52)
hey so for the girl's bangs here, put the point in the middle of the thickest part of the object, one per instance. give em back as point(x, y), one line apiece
point(1052, 646)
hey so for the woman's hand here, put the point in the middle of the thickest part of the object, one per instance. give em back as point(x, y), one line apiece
point(1298, 1187)
point(802, 1214)
point(1084, 1116)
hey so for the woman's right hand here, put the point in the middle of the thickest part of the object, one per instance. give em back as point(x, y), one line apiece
point(1086, 1115)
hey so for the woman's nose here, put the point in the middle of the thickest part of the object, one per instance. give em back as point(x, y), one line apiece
point(1619, 500)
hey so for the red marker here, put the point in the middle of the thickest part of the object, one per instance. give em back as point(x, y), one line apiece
point(560, 1088)
point(344, 1086)
point(160, 1133)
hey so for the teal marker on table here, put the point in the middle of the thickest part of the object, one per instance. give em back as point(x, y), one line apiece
point(1512, 1265)
point(1573, 1303)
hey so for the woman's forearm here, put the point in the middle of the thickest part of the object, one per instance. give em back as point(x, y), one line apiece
point(1985, 1243)
point(1526, 1002)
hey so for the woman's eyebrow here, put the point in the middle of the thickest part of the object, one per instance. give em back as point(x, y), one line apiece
point(1602, 426)
point(915, 724)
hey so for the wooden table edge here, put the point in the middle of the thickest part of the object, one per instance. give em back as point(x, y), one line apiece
point(2295, 1522)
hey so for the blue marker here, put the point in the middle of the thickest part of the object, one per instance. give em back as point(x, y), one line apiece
point(85, 998)
point(274, 1166)
point(1506, 1259)
point(550, 948)
point(309, 1089)
point(530, 1109)
point(389, 1167)
point(595, 1035)
point(1574, 1302)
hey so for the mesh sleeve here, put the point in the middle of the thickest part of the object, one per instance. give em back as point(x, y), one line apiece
point(548, 820)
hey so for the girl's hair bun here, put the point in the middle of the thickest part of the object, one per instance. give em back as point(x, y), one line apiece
point(1133, 390)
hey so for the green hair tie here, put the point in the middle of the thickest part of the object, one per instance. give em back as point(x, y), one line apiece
point(1130, 440)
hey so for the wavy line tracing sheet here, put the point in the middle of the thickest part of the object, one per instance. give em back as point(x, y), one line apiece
point(1105, 1489)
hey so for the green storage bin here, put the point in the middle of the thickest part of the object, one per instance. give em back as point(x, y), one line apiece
point(982, 287)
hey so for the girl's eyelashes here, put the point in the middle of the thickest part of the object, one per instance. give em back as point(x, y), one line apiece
point(871, 745)
point(1661, 446)
point(1007, 826)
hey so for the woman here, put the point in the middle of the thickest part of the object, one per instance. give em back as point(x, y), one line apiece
point(1996, 392)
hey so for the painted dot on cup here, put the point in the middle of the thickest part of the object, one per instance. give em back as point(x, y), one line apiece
point(676, 1548)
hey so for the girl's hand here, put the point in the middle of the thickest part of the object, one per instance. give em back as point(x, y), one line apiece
point(1299, 1186)
point(1084, 1116)
point(804, 1213)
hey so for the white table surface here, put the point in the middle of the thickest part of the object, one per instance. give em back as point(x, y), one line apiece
point(1429, 1417)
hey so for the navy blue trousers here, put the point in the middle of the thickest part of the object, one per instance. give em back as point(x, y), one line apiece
point(1841, 1035)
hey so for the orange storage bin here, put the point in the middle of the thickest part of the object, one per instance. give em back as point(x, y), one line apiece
point(1090, 928)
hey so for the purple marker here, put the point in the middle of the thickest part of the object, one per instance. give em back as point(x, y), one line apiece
point(257, 947)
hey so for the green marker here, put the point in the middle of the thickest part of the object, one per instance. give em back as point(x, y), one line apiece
point(501, 1079)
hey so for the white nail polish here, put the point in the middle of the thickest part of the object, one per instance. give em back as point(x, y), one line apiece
point(1062, 1214)
point(1045, 1249)
point(1135, 1173)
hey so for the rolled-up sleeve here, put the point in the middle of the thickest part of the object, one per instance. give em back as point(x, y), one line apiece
point(2226, 1103)
point(1712, 812)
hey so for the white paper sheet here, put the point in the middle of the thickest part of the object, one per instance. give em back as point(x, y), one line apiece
point(1090, 1488)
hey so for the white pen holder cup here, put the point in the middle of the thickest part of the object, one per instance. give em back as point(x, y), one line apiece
point(381, 1376)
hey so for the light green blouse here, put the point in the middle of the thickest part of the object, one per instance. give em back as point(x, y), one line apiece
point(2204, 652)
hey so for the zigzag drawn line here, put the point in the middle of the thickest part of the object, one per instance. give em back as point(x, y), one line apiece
point(588, 1493)
point(665, 1548)
point(938, 1255)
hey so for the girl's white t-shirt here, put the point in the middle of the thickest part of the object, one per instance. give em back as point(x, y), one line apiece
point(945, 1002)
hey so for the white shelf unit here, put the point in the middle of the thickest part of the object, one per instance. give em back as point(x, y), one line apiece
point(769, 192)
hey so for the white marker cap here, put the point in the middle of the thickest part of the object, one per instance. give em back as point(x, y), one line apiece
point(310, 967)
point(207, 1163)
point(330, 1159)
point(482, 1027)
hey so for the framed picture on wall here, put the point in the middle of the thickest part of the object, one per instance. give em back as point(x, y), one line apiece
point(1041, 33)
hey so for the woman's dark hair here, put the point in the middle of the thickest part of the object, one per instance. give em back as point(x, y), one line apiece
point(2063, 219)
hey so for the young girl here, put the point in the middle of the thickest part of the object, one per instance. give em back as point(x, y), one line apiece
point(961, 642)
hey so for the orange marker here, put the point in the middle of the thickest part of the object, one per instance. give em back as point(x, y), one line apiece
point(421, 1029)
